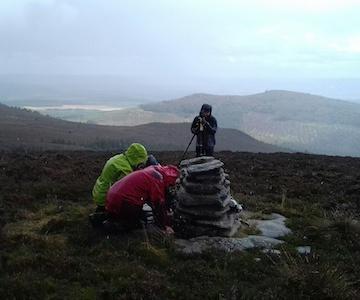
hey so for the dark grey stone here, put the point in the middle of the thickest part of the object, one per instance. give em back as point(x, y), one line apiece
point(304, 250)
point(196, 160)
point(226, 222)
point(206, 178)
point(208, 167)
point(205, 189)
point(188, 199)
point(209, 212)
point(200, 244)
point(264, 241)
point(194, 230)
point(199, 200)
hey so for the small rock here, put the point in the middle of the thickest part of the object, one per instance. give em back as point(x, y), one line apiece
point(304, 250)
point(274, 228)
point(264, 241)
point(271, 251)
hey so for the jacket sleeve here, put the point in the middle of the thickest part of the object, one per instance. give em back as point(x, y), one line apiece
point(157, 199)
point(212, 125)
point(195, 126)
point(161, 215)
point(105, 180)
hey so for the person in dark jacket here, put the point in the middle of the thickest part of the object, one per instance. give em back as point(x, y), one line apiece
point(204, 126)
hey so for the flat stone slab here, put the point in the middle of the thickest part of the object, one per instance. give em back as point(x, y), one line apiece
point(264, 241)
point(274, 227)
point(205, 188)
point(218, 200)
point(204, 243)
point(223, 190)
point(211, 166)
point(205, 212)
point(196, 160)
point(206, 178)
point(226, 222)
point(191, 230)
point(204, 200)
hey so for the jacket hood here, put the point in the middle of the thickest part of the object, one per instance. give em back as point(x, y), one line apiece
point(206, 107)
point(136, 154)
point(170, 174)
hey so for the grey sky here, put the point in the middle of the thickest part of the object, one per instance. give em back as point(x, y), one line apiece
point(188, 45)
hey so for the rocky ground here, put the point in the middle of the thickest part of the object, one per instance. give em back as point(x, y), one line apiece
point(48, 249)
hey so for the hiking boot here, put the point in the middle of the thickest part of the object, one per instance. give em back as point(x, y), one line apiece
point(97, 218)
point(100, 209)
point(110, 226)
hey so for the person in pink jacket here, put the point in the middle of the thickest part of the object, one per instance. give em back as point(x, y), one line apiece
point(126, 198)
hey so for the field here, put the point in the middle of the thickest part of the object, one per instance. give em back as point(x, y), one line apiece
point(49, 251)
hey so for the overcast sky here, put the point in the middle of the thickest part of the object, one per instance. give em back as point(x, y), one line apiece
point(219, 46)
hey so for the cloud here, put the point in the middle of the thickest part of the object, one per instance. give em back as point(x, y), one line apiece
point(205, 37)
point(317, 6)
point(46, 12)
point(350, 45)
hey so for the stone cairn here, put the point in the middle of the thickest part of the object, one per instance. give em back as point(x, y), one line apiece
point(204, 203)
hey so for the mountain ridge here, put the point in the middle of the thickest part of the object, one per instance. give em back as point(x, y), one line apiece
point(300, 121)
point(21, 128)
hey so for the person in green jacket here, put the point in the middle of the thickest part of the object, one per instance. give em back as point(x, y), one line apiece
point(116, 168)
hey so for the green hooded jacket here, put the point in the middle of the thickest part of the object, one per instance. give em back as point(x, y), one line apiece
point(116, 168)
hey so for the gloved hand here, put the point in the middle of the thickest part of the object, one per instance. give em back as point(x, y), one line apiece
point(147, 216)
point(198, 122)
point(168, 230)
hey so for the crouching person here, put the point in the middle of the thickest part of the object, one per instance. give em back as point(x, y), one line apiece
point(116, 168)
point(141, 196)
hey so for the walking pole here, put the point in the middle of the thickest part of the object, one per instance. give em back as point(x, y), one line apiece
point(187, 148)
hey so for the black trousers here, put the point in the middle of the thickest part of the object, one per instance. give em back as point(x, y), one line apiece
point(204, 151)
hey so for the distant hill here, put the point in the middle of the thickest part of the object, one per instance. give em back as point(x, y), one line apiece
point(122, 117)
point(20, 128)
point(303, 122)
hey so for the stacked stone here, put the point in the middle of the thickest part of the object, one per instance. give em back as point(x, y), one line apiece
point(204, 203)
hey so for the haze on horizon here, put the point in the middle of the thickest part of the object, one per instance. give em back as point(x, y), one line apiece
point(161, 49)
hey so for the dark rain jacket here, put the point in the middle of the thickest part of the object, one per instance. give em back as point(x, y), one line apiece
point(206, 136)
